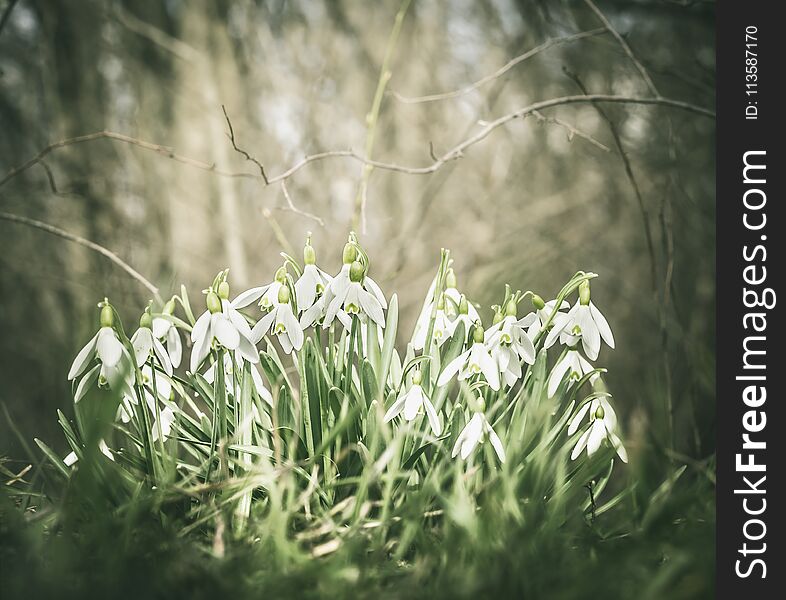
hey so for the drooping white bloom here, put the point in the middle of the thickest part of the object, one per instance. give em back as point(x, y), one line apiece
point(442, 331)
point(602, 426)
point(409, 403)
point(312, 283)
point(115, 367)
point(164, 329)
point(223, 323)
point(535, 320)
point(574, 365)
point(355, 294)
point(471, 362)
point(146, 344)
point(586, 322)
point(473, 434)
point(281, 321)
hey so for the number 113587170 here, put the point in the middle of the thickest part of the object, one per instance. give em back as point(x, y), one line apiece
point(752, 72)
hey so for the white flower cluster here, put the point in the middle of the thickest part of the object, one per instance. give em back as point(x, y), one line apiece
point(488, 362)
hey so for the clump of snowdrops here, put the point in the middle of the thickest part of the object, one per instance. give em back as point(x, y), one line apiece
point(286, 413)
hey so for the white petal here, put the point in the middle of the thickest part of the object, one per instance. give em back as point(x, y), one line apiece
point(285, 342)
point(161, 326)
point(576, 420)
point(237, 319)
point(395, 408)
point(597, 434)
point(580, 445)
point(496, 443)
point(263, 326)
point(108, 347)
point(414, 399)
point(616, 442)
point(433, 418)
point(162, 356)
point(86, 382)
point(372, 286)
point(225, 332)
point(603, 325)
point(557, 374)
point(249, 296)
point(452, 368)
point(201, 347)
point(201, 326)
point(70, 459)
point(306, 288)
point(294, 330)
point(248, 350)
point(83, 358)
point(262, 391)
point(372, 307)
point(487, 366)
point(174, 346)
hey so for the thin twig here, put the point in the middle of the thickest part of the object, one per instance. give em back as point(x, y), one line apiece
point(165, 151)
point(501, 71)
point(240, 150)
point(572, 131)
point(87, 244)
point(625, 47)
point(291, 206)
point(452, 154)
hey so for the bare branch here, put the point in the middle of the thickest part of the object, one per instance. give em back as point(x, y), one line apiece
point(572, 131)
point(240, 150)
point(500, 72)
point(87, 244)
point(157, 148)
point(7, 13)
point(625, 47)
point(454, 153)
point(291, 206)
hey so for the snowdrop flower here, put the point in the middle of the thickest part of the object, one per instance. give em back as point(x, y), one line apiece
point(282, 322)
point(223, 323)
point(164, 329)
point(443, 327)
point(574, 365)
point(313, 282)
point(535, 321)
point(583, 321)
point(411, 401)
point(602, 426)
point(353, 298)
point(473, 434)
point(146, 344)
point(115, 366)
point(266, 294)
point(509, 344)
point(465, 312)
point(474, 361)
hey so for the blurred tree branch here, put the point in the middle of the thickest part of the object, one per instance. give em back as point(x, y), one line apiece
point(453, 153)
point(7, 13)
point(87, 244)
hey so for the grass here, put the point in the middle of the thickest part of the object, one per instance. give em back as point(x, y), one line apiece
point(302, 489)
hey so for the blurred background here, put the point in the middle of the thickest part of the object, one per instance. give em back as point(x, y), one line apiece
point(531, 204)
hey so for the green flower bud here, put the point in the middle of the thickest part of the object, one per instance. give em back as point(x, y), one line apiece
point(463, 305)
point(497, 315)
point(169, 307)
point(281, 274)
point(283, 294)
point(417, 377)
point(223, 290)
point(537, 302)
point(350, 254)
point(356, 272)
point(213, 302)
point(441, 302)
point(309, 255)
point(481, 404)
point(478, 335)
point(600, 413)
point(511, 308)
point(146, 320)
point(450, 279)
point(584, 292)
point(107, 315)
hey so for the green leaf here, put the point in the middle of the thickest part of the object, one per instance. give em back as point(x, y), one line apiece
point(388, 344)
point(53, 458)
